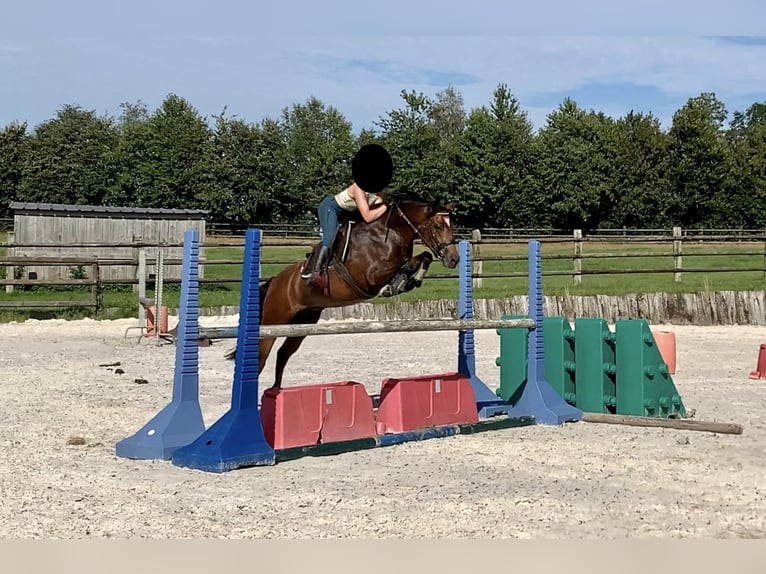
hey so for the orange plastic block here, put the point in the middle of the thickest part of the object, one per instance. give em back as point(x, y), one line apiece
point(760, 365)
point(431, 400)
point(314, 414)
point(666, 345)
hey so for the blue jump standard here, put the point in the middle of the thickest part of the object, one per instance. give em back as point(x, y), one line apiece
point(236, 439)
point(539, 399)
point(180, 422)
point(487, 402)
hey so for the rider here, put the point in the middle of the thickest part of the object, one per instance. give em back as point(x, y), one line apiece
point(371, 170)
point(353, 198)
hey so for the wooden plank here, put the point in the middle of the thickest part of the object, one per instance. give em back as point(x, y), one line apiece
point(678, 424)
point(33, 260)
point(340, 447)
point(43, 304)
point(41, 282)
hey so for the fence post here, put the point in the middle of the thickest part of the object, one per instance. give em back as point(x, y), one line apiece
point(577, 257)
point(141, 273)
point(95, 288)
point(677, 254)
point(10, 269)
point(477, 267)
point(158, 287)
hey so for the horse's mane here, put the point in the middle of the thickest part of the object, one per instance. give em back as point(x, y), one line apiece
point(405, 199)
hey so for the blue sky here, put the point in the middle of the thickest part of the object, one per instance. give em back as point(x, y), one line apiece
point(256, 58)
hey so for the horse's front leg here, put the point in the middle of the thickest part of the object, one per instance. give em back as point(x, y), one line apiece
point(420, 263)
point(409, 276)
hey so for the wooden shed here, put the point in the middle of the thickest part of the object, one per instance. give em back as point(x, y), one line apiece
point(61, 230)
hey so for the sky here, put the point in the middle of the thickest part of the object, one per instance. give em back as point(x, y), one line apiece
point(255, 58)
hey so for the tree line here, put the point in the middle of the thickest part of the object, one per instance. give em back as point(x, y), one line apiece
point(582, 169)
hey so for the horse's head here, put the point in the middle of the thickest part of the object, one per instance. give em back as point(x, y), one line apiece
point(434, 228)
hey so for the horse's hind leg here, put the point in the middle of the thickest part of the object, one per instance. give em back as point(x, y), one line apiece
point(286, 351)
point(264, 348)
point(292, 344)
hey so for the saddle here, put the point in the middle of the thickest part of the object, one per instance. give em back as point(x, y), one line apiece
point(338, 247)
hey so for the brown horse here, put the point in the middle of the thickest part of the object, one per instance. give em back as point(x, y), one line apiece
point(367, 260)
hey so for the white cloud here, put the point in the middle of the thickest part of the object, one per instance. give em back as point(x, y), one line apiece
point(257, 76)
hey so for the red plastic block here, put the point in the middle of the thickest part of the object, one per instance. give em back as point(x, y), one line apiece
point(760, 368)
point(313, 414)
point(431, 400)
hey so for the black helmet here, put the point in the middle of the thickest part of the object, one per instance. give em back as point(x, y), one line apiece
point(372, 168)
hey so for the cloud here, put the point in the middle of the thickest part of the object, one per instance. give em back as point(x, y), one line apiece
point(386, 70)
point(608, 73)
point(257, 76)
point(744, 40)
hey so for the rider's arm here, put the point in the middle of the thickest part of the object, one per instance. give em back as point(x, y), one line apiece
point(369, 214)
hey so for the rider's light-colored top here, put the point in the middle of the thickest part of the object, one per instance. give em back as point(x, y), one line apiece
point(347, 201)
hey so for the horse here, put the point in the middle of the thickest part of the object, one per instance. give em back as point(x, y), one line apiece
point(366, 260)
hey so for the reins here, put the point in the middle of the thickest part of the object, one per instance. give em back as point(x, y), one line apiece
point(438, 250)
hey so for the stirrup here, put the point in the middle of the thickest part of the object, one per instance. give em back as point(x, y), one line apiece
point(308, 268)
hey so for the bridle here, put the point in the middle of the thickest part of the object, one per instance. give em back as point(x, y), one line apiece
point(438, 249)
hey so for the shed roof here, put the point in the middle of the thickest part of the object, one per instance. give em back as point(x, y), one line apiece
point(68, 209)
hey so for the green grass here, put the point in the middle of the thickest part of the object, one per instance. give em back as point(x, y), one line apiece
point(125, 301)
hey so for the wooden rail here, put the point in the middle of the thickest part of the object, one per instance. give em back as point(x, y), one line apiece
point(362, 327)
point(678, 239)
point(94, 281)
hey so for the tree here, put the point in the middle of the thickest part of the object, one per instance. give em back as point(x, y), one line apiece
point(493, 158)
point(319, 146)
point(639, 192)
point(14, 149)
point(744, 122)
point(749, 169)
point(131, 156)
point(699, 164)
point(250, 171)
point(417, 149)
point(448, 114)
point(575, 158)
point(68, 158)
point(165, 160)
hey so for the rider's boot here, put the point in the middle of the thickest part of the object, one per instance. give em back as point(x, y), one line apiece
point(315, 276)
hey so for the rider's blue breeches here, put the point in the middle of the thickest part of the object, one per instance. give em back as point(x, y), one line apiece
point(329, 214)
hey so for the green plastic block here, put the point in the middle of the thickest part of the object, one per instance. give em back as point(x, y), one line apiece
point(596, 366)
point(644, 384)
point(512, 361)
point(559, 341)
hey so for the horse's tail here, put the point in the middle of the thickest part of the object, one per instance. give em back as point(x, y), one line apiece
point(264, 288)
point(262, 297)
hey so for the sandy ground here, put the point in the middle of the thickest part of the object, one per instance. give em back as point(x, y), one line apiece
point(581, 480)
